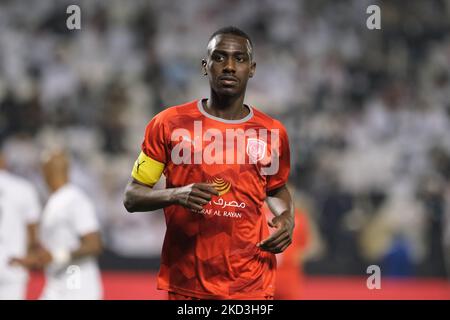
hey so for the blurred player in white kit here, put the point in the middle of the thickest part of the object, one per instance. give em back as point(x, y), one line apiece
point(70, 237)
point(19, 214)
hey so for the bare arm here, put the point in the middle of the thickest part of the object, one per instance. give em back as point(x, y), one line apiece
point(142, 198)
point(281, 205)
point(90, 245)
point(32, 237)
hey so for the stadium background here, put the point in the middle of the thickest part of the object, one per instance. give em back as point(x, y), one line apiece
point(367, 113)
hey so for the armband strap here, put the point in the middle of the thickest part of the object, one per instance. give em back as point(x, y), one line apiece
point(146, 170)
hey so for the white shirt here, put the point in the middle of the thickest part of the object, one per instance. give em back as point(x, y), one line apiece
point(68, 215)
point(19, 207)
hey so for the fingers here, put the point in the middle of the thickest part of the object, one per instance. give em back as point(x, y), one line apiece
point(277, 242)
point(23, 262)
point(201, 194)
point(207, 187)
point(194, 206)
point(16, 261)
point(277, 248)
point(196, 195)
point(276, 237)
point(271, 224)
point(196, 203)
point(285, 246)
point(280, 247)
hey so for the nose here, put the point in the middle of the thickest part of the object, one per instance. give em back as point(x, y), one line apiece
point(230, 66)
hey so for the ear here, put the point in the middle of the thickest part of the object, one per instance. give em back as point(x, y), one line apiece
point(204, 67)
point(252, 70)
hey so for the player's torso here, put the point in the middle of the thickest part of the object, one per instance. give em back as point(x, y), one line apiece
point(222, 237)
point(57, 228)
point(57, 231)
point(12, 227)
point(12, 219)
point(232, 155)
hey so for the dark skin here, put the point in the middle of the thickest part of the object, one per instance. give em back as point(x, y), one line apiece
point(141, 198)
point(228, 65)
point(32, 239)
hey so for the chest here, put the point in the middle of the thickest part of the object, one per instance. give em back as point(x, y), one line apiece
point(206, 145)
point(57, 214)
point(11, 209)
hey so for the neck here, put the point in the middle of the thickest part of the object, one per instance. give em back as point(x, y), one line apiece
point(228, 107)
point(57, 184)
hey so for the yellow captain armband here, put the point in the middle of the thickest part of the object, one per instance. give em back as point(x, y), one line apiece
point(147, 170)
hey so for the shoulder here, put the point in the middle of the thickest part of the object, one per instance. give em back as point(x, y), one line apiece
point(74, 194)
point(21, 185)
point(267, 121)
point(175, 112)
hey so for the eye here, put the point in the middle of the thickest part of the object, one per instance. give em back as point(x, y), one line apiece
point(217, 57)
point(240, 59)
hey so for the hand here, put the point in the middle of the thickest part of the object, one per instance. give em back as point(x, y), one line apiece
point(36, 260)
point(195, 195)
point(282, 238)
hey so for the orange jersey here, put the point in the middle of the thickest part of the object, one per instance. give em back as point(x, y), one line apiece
point(212, 253)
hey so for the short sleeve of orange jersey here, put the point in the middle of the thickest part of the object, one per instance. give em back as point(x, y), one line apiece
point(155, 144)
point(153, 158)
point(281, 177)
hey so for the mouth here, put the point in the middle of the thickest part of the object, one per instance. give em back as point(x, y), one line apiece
point(228, 80)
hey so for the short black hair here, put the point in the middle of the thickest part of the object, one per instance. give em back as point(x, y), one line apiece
point(232, 30)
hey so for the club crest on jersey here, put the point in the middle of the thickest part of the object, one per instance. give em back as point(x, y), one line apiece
point(256, 149)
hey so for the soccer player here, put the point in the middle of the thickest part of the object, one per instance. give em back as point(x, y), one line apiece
point(19, 214)
point(221, 159)
point(70, 237)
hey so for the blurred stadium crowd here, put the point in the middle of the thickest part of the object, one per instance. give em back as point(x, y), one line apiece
point(367, 111)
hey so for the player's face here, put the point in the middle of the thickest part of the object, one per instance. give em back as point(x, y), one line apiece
point(229, 64)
